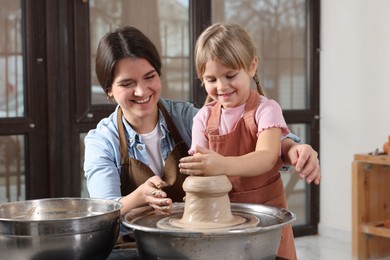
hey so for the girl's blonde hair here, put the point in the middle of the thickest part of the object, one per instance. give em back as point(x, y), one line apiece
point(230, 44)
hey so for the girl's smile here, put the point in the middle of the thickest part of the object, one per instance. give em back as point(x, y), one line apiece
point(226, 95)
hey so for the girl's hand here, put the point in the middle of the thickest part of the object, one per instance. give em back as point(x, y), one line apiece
point(203, 162)
point(154, 195)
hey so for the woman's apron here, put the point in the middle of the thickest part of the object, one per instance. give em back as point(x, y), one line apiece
point(134, 172)
point(266, 188)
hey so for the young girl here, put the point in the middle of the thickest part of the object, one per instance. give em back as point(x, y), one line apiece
point(239, 132)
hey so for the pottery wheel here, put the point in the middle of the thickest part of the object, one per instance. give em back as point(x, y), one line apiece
point(207, 206)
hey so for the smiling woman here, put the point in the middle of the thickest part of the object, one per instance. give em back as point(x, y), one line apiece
point(136, 88)
point(136, 149)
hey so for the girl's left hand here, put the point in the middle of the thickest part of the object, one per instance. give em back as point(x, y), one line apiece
point(203, 162)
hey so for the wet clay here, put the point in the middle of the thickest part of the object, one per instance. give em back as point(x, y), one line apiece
point(207, 204)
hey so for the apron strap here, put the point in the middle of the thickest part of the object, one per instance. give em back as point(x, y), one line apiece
point(250, 110)
point(212, 126)
point(171, 126)
point(122, 136)
point(125, 161)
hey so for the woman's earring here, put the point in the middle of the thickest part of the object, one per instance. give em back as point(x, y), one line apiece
point(110, 99)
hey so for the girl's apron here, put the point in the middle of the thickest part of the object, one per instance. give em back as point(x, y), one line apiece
point(266, 188)
point(134, 172)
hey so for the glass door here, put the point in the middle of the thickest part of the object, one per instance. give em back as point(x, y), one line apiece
point(12, 156)
point(22, 102)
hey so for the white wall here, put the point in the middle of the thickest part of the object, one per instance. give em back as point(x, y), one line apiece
point(355, 97)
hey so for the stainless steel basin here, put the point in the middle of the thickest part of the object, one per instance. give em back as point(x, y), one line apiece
point(60, 228)
point(258, 242)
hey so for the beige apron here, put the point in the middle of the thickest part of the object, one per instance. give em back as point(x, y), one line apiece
point(134, 172)
point(266, 188)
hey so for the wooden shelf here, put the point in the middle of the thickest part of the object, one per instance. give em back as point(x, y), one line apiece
point(370, 206)
point(376, 228)
point(375, 159)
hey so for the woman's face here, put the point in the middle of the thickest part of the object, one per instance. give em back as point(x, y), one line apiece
point(136, 88)
point(230, 87)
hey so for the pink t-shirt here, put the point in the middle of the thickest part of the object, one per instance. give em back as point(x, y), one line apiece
point(268, 115)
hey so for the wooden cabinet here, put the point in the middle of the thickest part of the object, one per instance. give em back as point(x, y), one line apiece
point(370, 206)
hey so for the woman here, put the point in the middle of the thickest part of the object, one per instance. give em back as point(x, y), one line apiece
point(134, 153)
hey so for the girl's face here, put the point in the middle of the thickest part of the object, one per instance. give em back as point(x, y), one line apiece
point(136, 88)
point(230, 87)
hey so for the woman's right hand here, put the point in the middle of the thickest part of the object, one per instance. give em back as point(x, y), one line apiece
point(153, 194)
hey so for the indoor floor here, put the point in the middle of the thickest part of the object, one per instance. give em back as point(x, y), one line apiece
point(324, 248)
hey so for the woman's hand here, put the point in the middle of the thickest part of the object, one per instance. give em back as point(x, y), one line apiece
point(305, 160)
point(153, 194)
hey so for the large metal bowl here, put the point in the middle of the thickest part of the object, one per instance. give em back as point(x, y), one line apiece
point(60, 228)
point(256, 242)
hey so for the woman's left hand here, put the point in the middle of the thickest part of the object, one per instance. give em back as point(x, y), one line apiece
point(305, 160)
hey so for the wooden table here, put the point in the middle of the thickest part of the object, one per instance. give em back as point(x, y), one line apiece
point(370, 206)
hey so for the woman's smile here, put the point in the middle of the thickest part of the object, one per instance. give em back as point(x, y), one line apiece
point(142, 101)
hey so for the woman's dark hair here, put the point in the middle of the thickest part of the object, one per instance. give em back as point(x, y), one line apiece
point(126, 42)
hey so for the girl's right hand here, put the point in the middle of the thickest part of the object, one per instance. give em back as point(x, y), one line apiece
point(203, 162)
point(154, 195)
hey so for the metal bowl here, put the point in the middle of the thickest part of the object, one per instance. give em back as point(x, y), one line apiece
point(60, 228)
point(256, 242)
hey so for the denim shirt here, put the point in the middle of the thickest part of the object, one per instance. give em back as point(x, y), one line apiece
point(102, 158)
point(102, 162)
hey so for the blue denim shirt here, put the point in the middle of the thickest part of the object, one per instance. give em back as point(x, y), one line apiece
point(102, 164)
